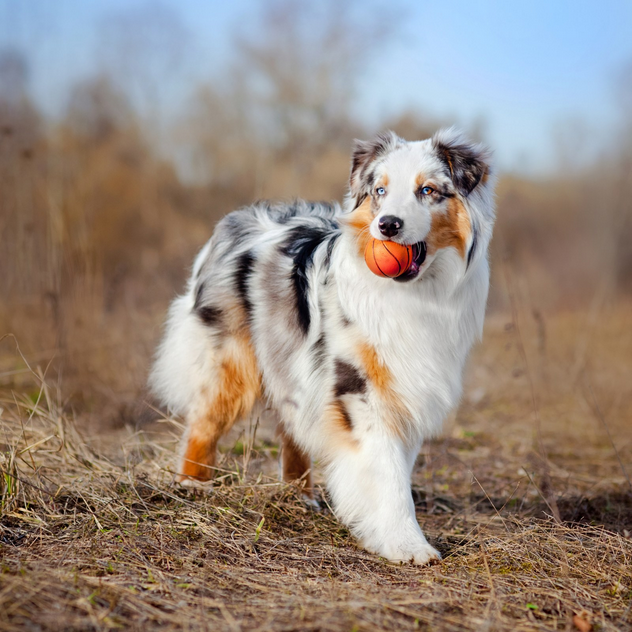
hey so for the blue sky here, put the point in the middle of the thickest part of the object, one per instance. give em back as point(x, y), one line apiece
point(527, 68)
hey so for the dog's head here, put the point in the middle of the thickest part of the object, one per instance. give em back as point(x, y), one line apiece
point(433, 194)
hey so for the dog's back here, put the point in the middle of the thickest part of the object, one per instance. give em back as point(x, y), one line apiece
point(262, 249)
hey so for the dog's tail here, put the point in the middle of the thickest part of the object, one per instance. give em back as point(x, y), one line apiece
point(184, 359)
point(174, 376)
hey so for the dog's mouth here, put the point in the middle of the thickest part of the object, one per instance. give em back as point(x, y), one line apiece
point(419, 256)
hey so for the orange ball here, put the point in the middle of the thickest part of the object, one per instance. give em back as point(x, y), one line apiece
point(388, 258)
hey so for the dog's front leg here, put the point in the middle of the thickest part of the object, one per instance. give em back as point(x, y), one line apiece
point(370, 487)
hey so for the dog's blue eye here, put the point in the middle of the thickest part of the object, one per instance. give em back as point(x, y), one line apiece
point(380, 190)
point(427, 191)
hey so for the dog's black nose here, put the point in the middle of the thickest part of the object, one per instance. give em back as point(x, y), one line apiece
point(390, 225)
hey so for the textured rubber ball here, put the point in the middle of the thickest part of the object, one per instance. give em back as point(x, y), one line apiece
point(387, 258)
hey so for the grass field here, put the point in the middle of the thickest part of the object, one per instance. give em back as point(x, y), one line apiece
point(526, 494)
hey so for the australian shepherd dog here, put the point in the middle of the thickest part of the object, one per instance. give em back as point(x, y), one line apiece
point(281, 308)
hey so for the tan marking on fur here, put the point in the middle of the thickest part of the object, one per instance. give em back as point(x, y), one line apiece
point(337, 427)
point(198, 460)
point(375, 369)
point(447, 156)
point(384, 181)
point(237, 388)
point(380, 376)
point(296, 463)
point(485, 177)
point(450, 229)
point(342, 416)
point(419, 180)
point(239, 383)
point(360, 221)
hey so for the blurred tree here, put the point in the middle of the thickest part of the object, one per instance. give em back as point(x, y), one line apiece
point(286, 100)
point(13, 75)
point(142, 49)
point(304, 62)
point(97, 109)
point(19, 121)
point(22, 149)
point(622, 224)
point(572, 136)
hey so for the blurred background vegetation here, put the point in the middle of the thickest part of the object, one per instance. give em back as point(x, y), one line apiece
point(104, 203)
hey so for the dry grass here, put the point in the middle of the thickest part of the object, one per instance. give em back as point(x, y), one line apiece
point(534, 526)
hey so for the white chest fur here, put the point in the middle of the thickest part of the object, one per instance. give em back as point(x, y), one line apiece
point(422, 331)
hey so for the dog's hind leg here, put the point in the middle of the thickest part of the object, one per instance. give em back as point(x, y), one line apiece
point(295, 463)
point(232, 394)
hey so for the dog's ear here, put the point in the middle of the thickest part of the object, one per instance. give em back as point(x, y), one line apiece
point(467, 163)
point(365, 152)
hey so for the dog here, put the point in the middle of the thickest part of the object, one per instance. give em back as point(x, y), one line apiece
point(281, 308)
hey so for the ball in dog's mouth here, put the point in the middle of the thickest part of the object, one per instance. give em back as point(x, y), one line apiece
point(419, 256)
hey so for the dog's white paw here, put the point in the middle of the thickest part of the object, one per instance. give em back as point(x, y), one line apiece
point(420, 553)
point(193, 483)
point(426, 555)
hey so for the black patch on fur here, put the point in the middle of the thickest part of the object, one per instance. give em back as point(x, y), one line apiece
point(464, 163)
point(348, 379)
point(365, 153)
point(245, 264)
point(209, 315)
point(470, 254)
point(300, 247)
